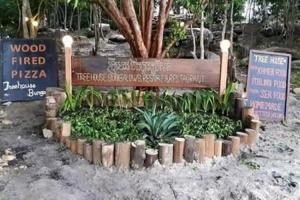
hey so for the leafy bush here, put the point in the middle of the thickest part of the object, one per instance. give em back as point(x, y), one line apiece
point(111, 125)
point(198, 124)
point(158, 127)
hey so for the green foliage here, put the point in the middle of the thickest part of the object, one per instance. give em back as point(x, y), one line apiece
point(158, 127)
point(110, 125)
point(197, 124)
point(295, 79)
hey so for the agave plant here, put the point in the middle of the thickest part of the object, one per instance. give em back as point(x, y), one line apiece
point(158, 127)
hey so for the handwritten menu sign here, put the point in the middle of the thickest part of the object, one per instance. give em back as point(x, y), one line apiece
point(268, 84)
point(28, 68)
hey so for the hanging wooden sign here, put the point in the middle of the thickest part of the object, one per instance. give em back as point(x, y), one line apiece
point(268, 84)
point(118, 72)
point(28, 68)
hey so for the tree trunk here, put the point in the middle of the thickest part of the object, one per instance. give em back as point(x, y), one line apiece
point(194, 52)
point(232, 28)
point(225, 20)
point(66, 14)
point(202, 36)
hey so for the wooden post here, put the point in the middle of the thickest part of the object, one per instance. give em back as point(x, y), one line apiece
point(68, 41)
point(80, 147)
point(252, 134)
point(209, 145)
point(226, 148)
point(240, 103)
point(165, 153)
point(97, 151)
point(218, 148)
point(122, 155)
point(178, 150)
point(107, 155)
point(189, 148)
point(73, 145)
point(88, 152)
point(224, 66)
point(138, 150)
point(151, 157)
point(66, 129)
point(243, 137)
point(200, 150)
point(68, 142)
point(235, 145)
point(247, 112)
point(255, 125)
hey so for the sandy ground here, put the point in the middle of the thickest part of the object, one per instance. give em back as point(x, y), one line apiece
point(44, 170)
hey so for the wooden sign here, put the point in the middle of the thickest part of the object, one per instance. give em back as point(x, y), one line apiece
point(268, 84)
point(174, 73)
point(28, 68)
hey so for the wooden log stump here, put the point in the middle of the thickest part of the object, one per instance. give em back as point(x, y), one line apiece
point(138, 155)
point(68, 142)
point(200, 150)
point(240, 104)
point(165, 153)
point(189, 148)
point(178, 150)
point(80, 146)
point(52, 123)
point(51, 113)
point(247, 112)
point(73, 145)
point(107, 155)
point(209, 145)
point(66, 129)
point(122, 155)
point(50, 103)
point(58, 93)
point(88, 152)
point(97, 151)
point(218, 148)
point(226, 147)
point(255, 125)
point(235, 145)
point(252, 134)
point(151, 157)
point(243, 138)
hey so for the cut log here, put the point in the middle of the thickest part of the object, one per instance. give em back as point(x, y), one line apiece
point(151, 157)
point(243, 137)
point(122, 155)
point(200, 150)
point(252, 134)
point(209, 145)
point(235, 145)
point(189, 148)
point(138, 155)
point(88, 152)
point(240, 104)
point(247, 111)
point(68, 142)
point(73, 145)
point(51, 123)
point(80, 147)
point(178, 150)
point(58, 93)
point(66, 129)
point(165, 153)
point(97, 151)
point(107, 155)
point(226, 147)
point(218, 148)
point(50, 103)
point(50, 113)
point(255, 125)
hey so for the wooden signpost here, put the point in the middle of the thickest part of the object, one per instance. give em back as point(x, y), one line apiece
point(174, 73)
point(268, 84)
point(28, 68)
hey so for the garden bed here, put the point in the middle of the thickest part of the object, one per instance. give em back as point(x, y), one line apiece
point(133, 128)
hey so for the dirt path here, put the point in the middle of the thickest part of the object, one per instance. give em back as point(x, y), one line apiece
point(45, 171)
